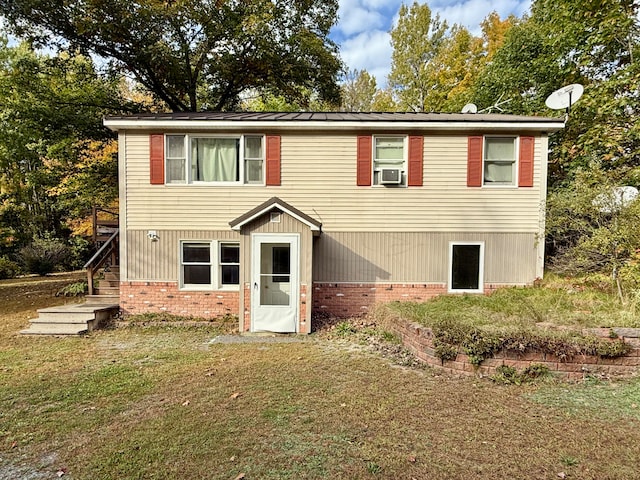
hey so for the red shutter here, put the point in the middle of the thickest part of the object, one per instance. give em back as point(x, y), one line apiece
point(525, 175)
point(273, 160)
point(156, 159)
point(474, 162)
point(364, 161)
point(416, 153)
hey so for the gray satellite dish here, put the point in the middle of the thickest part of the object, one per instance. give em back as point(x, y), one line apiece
point(470, 108)
point(564, 97)
point(615, 199)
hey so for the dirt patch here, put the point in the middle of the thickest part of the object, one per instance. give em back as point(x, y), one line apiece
point(30, 293)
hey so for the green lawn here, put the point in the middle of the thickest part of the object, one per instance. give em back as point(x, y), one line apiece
point(165, 403)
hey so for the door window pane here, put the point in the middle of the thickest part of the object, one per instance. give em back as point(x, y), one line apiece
point(275, 274)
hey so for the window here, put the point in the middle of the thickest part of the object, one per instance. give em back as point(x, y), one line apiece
point(176, 159)
point(466, 267)
point(229, 264)
point(207, 265)
point(499, 161)
point(210, 159)
point(196, 264)
point(389, 154)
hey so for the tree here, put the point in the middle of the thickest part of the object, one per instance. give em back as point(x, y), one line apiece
point(457, 65)
point(383, 101)
point(574, 42)
point(592, 228)
point(358, 91)
point(196, 55)
point(417, 40)
point(494, 30)
point(48, 105)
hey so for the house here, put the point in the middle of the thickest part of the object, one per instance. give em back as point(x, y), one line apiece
point(275, 216)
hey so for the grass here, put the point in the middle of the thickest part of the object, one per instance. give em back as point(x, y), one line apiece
point(555, 303)
point(164, 402)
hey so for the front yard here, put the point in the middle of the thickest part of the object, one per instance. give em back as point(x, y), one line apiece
point(167, 402)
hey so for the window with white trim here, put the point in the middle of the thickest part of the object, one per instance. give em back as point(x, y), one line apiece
point(229, 264)
point(209, 265)
point(389, 160)
point(499, 161)
point(466, 267)
point(215, 159)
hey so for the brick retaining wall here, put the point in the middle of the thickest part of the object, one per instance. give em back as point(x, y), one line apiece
point(419, 339)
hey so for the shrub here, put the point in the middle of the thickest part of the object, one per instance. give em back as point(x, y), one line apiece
point(73, 290)
point(44, 255)
point(8, 269)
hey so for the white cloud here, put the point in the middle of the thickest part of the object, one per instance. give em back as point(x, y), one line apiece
point(363, 26)
point(370, 51)
point(472, 12)
point(357, 19)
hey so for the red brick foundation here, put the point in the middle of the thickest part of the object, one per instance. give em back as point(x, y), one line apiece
point(166, 297)
point(419, 340)
point(354, 299)
point(344, 300)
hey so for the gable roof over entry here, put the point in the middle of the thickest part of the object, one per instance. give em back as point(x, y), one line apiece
point(271, 204)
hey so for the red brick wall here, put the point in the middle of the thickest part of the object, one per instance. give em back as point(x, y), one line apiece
point(344, 300)
point(303, 326)
point(354, 299)
point(419, 340)
point(166, 297)
point(247, 308)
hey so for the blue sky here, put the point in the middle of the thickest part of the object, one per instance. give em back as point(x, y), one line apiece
point(363, 27)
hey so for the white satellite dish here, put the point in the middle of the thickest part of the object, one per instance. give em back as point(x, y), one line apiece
point(470, 108)
point(564, 97)
point(615, 199)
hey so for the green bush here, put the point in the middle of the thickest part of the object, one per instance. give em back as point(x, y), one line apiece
point(73, 290)
point(44, 255)
point(8, 269)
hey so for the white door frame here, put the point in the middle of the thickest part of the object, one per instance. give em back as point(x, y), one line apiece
point(281, 318)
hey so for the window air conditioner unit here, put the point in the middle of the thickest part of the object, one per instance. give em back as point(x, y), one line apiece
point(390, 176)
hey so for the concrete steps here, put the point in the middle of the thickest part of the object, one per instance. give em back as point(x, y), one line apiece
point(73, 319)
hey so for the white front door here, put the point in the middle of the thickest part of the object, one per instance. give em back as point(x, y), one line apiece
point(274, 283)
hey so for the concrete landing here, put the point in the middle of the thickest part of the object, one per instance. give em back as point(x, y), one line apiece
point(73, 319)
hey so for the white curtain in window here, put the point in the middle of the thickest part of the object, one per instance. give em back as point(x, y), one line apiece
point(500, 172)
point(215, 159)
point(500, 156)
point(500, 149)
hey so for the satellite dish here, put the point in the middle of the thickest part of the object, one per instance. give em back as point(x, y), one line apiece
point(615, 199)
point(564, 97)
point(470, 108)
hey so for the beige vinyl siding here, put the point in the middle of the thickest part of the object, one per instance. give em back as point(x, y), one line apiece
point(386, 257)
point(319, 178)
point(160, 261)
point(419, 257)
